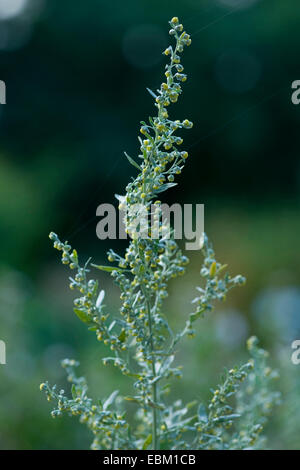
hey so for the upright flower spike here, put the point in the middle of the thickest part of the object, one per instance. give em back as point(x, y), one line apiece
point(142, 344)
point(162, 160)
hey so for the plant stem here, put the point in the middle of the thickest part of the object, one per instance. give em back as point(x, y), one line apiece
point(154, 386)
point(154, 423)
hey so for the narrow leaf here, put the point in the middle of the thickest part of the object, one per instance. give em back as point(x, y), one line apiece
point(202, 413)
point(223, 419)
point(108, 269)
point(100, 298)
point(133, 162)
point(120, 198)
point(165, 366)
point(83, 316)
point(110, 399)
point(147, 442)
point(213, 269)
point(112, 325)
point(164, 187)
point(151, 93)
point(133, 399)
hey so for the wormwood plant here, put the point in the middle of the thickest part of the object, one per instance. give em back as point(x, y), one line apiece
point(142, 344)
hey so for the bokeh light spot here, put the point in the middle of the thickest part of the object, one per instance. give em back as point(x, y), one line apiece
point(11, 8)
point(231, 328)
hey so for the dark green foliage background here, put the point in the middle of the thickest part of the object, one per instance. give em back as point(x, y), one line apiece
point(75, 95)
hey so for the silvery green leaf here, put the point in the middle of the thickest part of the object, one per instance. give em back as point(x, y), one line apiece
point(166, 364)
point(151, 93)
point(110, 399)
point(202, 413)
point(111, 325)
point(100, 298)
point(155, 380)
point(223, 419)
point(120, 198)
point(164, 187)
point(133, 163)
point(136, 299)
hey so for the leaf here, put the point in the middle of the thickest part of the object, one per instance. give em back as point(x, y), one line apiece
point(122, 336)
point(164, 187)
point(155, 405)
point(120, 198)
point(191, 404)
point(223, 419)
point(136, 299)
point(73, 390)
point(131, 374)
point(133, 163)
point(108, 269)
point(147, 442)
point(202, 413)
point(100, 298)
point(195, 316)
point(213, 269)
point(165, 366)
point(199, 289)
point(112, 325)
point(110, 399)
point(155, 380)
point(82, 315)
point(151, 93)
point(133, 399)
point(224, 266)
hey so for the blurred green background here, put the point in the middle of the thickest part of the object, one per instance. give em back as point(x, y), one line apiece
point(76, 74)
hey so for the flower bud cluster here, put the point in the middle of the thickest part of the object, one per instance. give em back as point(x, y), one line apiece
point(107, 425)
point(88, 307)
point(217, 284)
